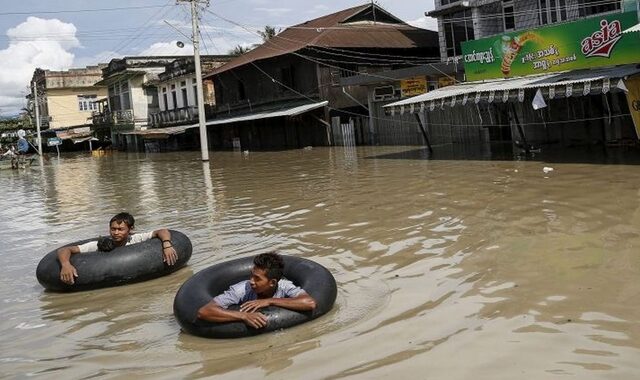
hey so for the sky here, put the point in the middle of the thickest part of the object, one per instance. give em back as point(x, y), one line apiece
point(63, 34)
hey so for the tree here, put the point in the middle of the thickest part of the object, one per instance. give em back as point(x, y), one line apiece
point(239, 50)
point(269, 32)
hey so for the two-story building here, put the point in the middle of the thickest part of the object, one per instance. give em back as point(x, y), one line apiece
point(66, 100)
point(287, 91)
point(132, 95)
point(540, 75)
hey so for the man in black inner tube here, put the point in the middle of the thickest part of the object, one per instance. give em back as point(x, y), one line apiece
point(120, 227)
point(265, 287)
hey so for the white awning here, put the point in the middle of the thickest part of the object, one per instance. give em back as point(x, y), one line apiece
point(293, 111)
point(168, 131)
point(83, 139)
point(635, 28)
point(497, 88)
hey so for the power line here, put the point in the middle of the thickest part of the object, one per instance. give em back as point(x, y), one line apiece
point(30, 13)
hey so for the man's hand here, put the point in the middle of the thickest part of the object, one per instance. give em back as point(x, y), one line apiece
point(169, 255)
point(68, 274)
point(255, 320)
point(251, 306)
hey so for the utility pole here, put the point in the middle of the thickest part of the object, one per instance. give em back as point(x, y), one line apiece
point(195, 38)
point(37, 109)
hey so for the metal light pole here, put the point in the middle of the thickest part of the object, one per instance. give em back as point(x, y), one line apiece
point(36, 106)
point(195, 38)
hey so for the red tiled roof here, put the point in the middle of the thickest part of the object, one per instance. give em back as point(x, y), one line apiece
point(335, 31)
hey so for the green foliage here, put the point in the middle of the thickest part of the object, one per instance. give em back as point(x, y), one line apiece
point(13, 124)
point(239, 50)
point(269, 32)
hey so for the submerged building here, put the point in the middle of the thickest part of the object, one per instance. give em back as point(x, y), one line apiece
point(66, 101)
point(538, 74)
point(287, 92)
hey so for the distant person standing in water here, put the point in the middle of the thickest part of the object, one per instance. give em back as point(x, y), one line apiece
point(23, 144)
point(120, 230)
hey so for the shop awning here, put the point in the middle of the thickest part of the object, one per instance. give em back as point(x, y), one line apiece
point(170, 131)
point(513, 88)
point(291, 111)
point(83, 139)
point(160, 132)
point(633, 29)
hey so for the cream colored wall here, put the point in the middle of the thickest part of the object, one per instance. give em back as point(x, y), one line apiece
point(63, 106)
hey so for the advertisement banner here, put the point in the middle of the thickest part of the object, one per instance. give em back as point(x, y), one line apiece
point(633, 98)
point(413, 86)
point(593, 42)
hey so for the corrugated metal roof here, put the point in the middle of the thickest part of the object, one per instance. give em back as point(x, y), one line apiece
point(168, 131)
point(293, 111)
point(290, 111)
point(537, 81)
point(334, 31)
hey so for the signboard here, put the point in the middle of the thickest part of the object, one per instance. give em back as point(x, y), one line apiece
point(54, 141)
point(633, 98)
point(413, 86)
point(446, 81)
point(593, 42)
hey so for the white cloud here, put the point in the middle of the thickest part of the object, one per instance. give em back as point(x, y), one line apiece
point(43, 43)
point(425, 23)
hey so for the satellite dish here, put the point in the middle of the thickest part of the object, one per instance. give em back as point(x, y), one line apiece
point(180, 44)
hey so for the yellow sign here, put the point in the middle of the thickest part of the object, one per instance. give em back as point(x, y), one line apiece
point(633, 98)
point(446, 81)
point(413, 86)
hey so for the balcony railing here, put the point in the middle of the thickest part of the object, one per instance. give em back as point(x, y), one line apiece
point(115, 117)
point(176, 116)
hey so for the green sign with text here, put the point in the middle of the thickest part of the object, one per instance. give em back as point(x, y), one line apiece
point(593, 42)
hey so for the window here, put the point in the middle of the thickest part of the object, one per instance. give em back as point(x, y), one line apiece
point(507, 12)
point(185, 100)
point(458, 28)
point(594, 7)
point(166, 102)
point(125, 101)
point(174, 99)
point(87, 102)
point(114, 97)
point(552, 11)
point(195, 94)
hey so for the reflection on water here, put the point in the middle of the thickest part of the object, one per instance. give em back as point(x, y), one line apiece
point(455, 269)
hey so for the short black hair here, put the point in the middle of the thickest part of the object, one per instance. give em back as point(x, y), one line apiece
point(105, 244)
point(123, 217)
point(271, 263)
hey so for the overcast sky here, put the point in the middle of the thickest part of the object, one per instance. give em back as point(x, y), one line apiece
point(61, 34)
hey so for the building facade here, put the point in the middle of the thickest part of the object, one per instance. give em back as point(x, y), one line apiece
point(302, 67)
point(567, 84)
point(467, 20)
point(67, 98)
point(177, 92)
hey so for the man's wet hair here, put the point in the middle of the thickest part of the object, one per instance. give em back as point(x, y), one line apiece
point(105, 244)
point(271, 263)
point(123, 217)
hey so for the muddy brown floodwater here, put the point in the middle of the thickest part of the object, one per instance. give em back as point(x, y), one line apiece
point(446, 269)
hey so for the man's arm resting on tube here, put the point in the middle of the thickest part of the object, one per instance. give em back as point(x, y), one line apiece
point(212, 312)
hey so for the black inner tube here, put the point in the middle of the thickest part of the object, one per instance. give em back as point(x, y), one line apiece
point(202, 287)
point(123, 265)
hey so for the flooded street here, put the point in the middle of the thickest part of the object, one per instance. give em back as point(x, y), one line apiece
point(446, 269)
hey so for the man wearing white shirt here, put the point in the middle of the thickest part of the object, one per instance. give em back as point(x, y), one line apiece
point(120, 229)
